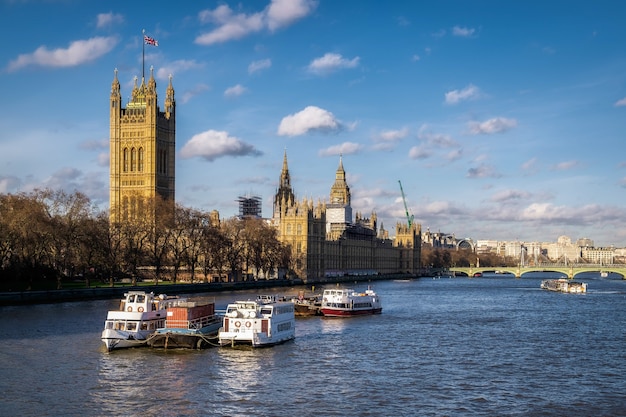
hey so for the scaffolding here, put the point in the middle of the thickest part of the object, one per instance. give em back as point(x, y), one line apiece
point(249, 207)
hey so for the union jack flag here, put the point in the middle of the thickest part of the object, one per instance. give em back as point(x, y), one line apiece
point(150, 41)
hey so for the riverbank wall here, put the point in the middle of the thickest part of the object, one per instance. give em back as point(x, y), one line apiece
point(103, 293)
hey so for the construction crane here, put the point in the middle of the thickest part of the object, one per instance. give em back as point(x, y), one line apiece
point(409, 218)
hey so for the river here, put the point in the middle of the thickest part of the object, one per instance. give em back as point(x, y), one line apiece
point(491, 346)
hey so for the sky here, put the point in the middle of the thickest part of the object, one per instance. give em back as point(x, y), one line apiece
point(503, 120)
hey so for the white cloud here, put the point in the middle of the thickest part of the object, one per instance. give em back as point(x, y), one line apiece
point(213, 144)
point(419, 152)
point(387, 139)
point(231, 26)
point(471, 92)
point(77, 53)
point(620, 103)
point(103, 159)
point(108, 19)
point(312, 118)
point(259, 65)
point(565, 165)
point(545, 212)
point(454, 155)
point(279, 13)
point(393, 135)
point(196, 90)
point(8, 184)
point(176, 67)
point(235, 91)
point(90, 145)
point(495, 125)
point(483, 171)
point(437, 139)
point(346, 148)
point(463, 31)
point(530, 165)
point(331, 62)
point(510, 195)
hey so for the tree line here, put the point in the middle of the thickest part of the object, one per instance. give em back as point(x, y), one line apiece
point(447, 258)
point(50, 237)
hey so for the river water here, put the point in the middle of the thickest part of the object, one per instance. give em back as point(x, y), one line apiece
point(491, 346)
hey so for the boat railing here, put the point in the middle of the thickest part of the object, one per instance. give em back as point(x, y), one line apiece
point(194, 324)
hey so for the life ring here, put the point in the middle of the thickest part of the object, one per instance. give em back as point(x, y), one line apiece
point(248, 324)
point(129, 309)
point(140, 309)
point(237, 324)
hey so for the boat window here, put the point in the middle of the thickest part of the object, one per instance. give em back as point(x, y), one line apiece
point(109, 325)
point(131, 326)
point(119, 326)
point(144, 326)
point(266, 311)
point(141, 298)
point(131, 298)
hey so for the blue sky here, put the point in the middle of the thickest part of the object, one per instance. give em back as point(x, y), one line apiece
point(503, 120)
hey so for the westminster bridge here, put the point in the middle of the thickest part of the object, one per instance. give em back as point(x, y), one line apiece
point(518, 271)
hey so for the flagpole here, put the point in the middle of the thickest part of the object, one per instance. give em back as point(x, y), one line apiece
point(143, 54)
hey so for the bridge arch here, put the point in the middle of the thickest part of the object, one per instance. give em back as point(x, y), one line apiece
point(570, 271)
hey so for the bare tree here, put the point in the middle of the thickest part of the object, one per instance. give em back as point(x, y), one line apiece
point(234, 246)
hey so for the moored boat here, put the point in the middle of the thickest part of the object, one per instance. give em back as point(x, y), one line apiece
point(263, 322)
point(564, 285)
point(307, 305)
point(188, 325)
point(139, 315)
point(343, 302)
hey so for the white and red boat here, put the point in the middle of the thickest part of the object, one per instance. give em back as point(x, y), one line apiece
point(347, 302)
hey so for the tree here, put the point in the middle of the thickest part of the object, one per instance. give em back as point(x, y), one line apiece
point(234, 245)
point(160, 234)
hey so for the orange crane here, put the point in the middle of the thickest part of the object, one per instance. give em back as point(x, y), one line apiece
point(409, 218)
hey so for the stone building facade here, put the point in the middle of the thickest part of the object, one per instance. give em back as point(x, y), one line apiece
point(142, 149)
point(325, 241)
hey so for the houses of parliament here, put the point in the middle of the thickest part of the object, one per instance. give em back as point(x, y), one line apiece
point(324, 238)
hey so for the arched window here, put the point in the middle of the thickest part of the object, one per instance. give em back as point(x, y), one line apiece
point(125, 159)
point(133, 160)
point(140, 160)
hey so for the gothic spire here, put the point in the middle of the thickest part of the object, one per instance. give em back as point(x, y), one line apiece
point(340, 192)
point(284, 194)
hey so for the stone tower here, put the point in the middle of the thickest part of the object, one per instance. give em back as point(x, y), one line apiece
point(284, 196)
point(339, 210)
point(142, 150)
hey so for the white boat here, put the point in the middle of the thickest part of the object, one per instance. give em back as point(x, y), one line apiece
point(564, 285)
point(347, 302)
point(189, 325)
point(140, 314)
point(263, 322)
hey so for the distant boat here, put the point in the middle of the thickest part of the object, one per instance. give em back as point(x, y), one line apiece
point(307, 305)
point(347, 302)
point(564, 285)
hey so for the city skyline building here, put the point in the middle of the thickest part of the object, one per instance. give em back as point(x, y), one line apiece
point(325, 241)
point(142, 149)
